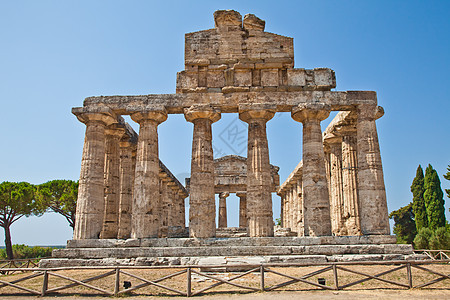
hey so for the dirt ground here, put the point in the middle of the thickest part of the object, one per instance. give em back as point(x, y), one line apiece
point(370, 289)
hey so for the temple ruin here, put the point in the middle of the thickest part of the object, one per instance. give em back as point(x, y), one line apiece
point(334, 200)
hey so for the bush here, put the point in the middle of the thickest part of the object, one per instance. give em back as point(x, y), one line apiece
point(432, 240)
point(422, 239)
point(24, 251)
point(440, 239)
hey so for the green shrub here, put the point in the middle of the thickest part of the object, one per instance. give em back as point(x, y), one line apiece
point(24, 251)
point(440, 239)
point(422, 239)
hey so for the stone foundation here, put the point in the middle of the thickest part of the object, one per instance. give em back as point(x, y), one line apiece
point(213, 251)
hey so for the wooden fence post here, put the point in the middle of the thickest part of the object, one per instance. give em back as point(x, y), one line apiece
point(335, 274)
point(188, 291)
point(409, 274)
point(117, 282)
point(44, 283)
point(261, 271)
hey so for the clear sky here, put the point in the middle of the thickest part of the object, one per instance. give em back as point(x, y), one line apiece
point(53, 54)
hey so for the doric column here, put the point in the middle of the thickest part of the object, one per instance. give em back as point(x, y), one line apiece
point(349, 181)
point(90, 203)
point(242, 209)
point(371, 190)
point(335, 186)
point(300, 229)
point(315, 190)
point(146, 201)
point(166, 196)
point(223, 210)
point(202, 211)
point(126, 188)
point(112, 182)
point(259, 179)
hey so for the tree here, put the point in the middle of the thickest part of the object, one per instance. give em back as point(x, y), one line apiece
point(418, 204)
point(434, 199)
point(17, 199)
point(447, 176)
point(61, 197)
point(404, 227)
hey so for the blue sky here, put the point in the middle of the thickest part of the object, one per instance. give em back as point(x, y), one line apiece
point(53, 54)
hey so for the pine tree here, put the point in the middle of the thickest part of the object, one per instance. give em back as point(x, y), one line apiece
point(434, 199)
point(418, 204)
point(404, 227)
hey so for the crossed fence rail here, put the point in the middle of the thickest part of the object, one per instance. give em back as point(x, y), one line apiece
point(49, 280)
point(11, 266)
point(434, 254)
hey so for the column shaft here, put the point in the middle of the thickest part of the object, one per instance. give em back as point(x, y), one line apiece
point(90, 203)
point(223, 210)
point(146, 198)
point(371, 190)
point(259, 179)
point(336, 192)
point(112, 183)
point(202, 211)
point(126, 189)
point(349, 183)
point(315, 187)
point(242, 210)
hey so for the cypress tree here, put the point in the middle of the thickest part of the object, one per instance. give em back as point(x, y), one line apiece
point(418, 205)
point(447, 176)
point(434, 199)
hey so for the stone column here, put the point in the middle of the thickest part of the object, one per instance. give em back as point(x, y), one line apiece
point(126, 188)
point(166, 197)
point(90, 203)
point(112, 182)
point(259, 178)
point(202, 211)
point(300, 229)
point(371, 190)
point(349, 183)
point(223, 210)
point(315, 190)
point(336, 192)
point(242, 209)
point(146, 201)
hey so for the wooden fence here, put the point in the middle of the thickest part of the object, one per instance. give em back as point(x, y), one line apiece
point(193, 280)
point(435, 254)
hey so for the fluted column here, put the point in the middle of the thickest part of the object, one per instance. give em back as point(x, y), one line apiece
point(223, 210)
point(112, 182)
point(259, 179)
point(166, 197)
point(315, 190)
point(146, 200)
point(336, 187)
point(371, 190)
point(300, 229)
point(126, 188)
point(202, 209)
point(242, 209)
point(90, 202)
point(349, 182)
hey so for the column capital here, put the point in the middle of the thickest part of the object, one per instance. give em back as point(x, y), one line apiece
point(202, 112)
point(369, 112)
point(306, 112)
point(157, 116)
point(241, 194)
point(104, 116)
point(224, 195)
point(249, 112)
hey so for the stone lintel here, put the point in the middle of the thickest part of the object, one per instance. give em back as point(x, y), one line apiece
point(229, 103)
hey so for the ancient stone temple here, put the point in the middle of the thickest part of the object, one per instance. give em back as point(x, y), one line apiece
point(131, 208)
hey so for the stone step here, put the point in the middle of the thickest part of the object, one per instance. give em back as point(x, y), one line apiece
point(225, 261)
point(240, 241)
point(242, 250)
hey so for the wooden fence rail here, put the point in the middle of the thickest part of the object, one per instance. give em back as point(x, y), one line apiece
point(405, 278)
